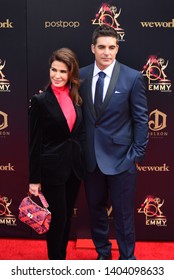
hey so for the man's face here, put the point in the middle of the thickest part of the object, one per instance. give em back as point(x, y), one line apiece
point(105, 51)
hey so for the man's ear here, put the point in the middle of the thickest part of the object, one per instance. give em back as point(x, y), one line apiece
point(117, 48)
point(92, 48)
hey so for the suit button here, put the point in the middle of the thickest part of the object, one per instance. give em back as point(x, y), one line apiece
point(96, 125)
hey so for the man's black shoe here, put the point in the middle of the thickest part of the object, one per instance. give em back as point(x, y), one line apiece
point(101, 257)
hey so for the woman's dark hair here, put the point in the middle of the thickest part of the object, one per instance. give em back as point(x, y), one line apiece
point(68, 57)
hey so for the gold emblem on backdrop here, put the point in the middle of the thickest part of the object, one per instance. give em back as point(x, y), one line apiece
point(155, 72)
point(157, 124)
point(3, 124)
point(4, 83)
point(6, 216)
point(151, 208)
point(157, 120)
point(3, 120)
point(108, 15)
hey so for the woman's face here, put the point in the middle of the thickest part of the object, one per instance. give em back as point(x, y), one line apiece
point(59, 73)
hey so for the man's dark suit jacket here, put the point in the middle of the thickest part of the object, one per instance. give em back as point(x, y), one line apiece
point(117, 139)
point(54, 150)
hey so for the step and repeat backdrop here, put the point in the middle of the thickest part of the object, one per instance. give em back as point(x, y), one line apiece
point(30, 31)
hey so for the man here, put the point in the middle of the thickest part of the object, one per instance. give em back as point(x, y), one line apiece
point(117, 135)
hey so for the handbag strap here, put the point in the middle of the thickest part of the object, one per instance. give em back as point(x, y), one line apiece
point(42, 199)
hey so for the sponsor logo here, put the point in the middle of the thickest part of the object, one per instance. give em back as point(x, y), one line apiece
point(158, 24)
point(108, 15)
point(154, 168)
point(6, 24)
point(151, 208)
point(3, 124)
point(154, 71)
point(6, 216)
point(4, 83)
point(8, 167)
point(62, 24)
point(157, 124)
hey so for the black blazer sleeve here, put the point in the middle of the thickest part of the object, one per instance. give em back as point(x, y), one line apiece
point(35, 135)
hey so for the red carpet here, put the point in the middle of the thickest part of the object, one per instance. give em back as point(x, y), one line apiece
point(22, 249)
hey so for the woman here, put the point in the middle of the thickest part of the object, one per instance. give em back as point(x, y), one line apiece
point(56, 135)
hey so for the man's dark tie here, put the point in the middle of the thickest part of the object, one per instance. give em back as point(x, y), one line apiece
point(98, 99)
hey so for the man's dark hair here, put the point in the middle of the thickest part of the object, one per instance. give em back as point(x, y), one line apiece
point(104, 31)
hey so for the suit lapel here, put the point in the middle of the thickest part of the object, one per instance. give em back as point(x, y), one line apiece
point(87, 88)
point(111, 87)
point(78, 117)
point(56, 111)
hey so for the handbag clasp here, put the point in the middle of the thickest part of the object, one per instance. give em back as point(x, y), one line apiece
point(30, 215)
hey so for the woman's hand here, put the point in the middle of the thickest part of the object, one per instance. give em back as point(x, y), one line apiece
point(34, 189)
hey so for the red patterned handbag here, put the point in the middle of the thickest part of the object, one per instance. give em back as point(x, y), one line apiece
point(35, 216)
